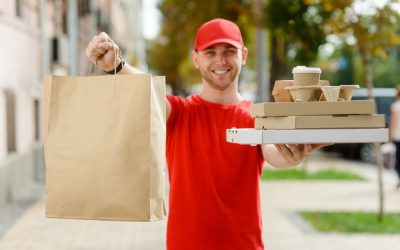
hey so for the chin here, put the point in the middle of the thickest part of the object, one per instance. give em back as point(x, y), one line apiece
point(221, 87)
point(219, 84)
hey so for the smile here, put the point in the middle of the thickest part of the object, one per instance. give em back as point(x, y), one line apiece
point(221, 72)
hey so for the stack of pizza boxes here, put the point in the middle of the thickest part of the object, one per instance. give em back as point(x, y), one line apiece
point(306, 102)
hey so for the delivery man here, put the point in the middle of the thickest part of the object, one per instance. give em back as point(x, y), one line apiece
point(214, 200)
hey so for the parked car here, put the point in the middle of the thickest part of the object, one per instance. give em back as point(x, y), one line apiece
point(384, 97)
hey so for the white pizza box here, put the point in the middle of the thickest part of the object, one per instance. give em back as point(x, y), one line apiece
point(251, 136)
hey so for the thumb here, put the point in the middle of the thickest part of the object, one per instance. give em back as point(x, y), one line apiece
point(317, 146)
point(105, 46)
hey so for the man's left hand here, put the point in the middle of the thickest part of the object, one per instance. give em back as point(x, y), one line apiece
point(295, 153)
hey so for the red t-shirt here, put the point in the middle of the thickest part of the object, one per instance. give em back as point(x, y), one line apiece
point(214, 200)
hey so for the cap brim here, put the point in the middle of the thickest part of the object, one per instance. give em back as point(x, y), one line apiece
point(222, 40)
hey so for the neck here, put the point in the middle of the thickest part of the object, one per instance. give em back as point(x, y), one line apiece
point(229, 95)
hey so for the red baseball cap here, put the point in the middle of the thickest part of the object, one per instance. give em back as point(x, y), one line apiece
point(218, 31)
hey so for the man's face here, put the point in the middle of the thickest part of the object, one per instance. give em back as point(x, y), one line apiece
point(220, 64)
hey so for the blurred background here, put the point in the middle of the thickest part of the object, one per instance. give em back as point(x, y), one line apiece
point(352, 41)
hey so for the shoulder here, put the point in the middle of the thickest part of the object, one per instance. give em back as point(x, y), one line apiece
point(174, 99)
point(244, 105)
point(395, 105)
point(178, 104)
point(180, 101)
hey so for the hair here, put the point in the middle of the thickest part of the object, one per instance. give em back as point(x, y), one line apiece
point(398, 91)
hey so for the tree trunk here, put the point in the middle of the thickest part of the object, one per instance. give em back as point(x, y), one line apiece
point(367, 65)
point(278, 65)
point(379, 166)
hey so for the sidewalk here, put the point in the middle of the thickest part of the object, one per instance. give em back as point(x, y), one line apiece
point(283, 229)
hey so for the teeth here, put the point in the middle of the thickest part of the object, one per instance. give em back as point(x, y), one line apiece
point(221, 72)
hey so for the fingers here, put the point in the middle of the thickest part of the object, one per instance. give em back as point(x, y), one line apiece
point(318, 146)
point(294, 152)
point(102, 47)
point(99, 45)
point(297, 151)
point(285, 151)
point(91, 51)
point(307, 149)
point(104, 37)
point(280, 148)
point(104, 43)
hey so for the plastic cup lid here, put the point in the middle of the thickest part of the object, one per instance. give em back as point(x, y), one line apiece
point(304, 69)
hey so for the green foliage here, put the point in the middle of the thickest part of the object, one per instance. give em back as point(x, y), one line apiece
point(298, 174)
point(353, 222)
point(374, 31)
point(346, 68)
point(298, 23)
point(386, 72)
point(296, 32)
point(297, 28)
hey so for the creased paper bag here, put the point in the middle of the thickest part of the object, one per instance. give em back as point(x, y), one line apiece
point(105, 147)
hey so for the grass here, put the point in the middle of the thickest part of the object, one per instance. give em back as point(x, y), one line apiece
point(353, 222)
point(298, 174)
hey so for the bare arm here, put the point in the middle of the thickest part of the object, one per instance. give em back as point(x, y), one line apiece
point(393, 124)
point(102, 51)
point(287, 155)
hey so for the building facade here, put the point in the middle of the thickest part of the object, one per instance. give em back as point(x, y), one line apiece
point(42, 37)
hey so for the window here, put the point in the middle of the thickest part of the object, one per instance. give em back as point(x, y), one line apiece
point(36, 106)
point(84, 7)
point(18, 8)
point(55, 49)
point(10, 121)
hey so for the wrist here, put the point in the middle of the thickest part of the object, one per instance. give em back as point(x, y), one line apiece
point(120, 64)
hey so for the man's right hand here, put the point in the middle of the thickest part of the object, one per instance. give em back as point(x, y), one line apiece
point(102, 51)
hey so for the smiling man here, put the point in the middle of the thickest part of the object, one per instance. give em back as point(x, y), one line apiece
point(214, 185)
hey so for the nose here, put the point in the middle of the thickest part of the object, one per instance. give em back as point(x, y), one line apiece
point(221, 58)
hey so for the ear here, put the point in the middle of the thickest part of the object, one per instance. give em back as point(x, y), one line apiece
point(245, 53)
point(195, 59)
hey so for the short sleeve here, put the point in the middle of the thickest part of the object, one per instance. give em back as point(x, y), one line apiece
point(176, 104)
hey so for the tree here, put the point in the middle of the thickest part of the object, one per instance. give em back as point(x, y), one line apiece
point(296, 32)
point(371, 30)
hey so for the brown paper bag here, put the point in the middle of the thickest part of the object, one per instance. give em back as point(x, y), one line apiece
point(105, 147)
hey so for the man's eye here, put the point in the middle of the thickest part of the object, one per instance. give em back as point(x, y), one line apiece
point(209, 53)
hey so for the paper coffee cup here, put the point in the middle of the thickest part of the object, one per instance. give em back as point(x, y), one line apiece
point(346, 91)
point(302, 93)
point(305, 76)
point(331, 93)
